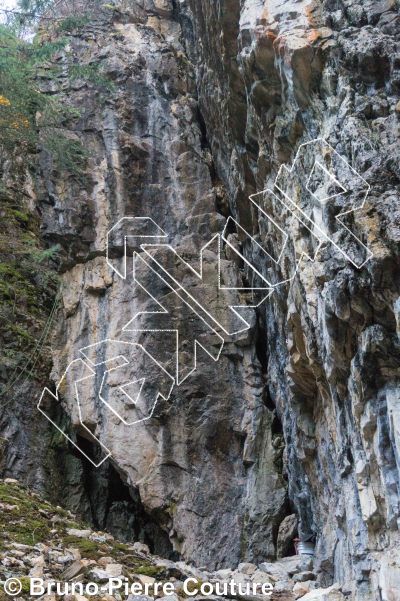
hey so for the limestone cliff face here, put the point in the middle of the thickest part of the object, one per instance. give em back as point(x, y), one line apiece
point(272, 75)
point(207, 467)
point(301, 413)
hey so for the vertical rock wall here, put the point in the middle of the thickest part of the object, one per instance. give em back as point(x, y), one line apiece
point(272, 75)
point(301, 413)
point(207, 467)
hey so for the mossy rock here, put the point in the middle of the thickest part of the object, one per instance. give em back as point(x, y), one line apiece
point(28, 520)
point(121, 547)
point(26, 584)
point(150, 570)
point(20, 216)
point(88, 548)
point(24, 523)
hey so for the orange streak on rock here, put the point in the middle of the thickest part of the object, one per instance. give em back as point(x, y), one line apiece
point(313, 36)
point(311, 13)
point(265, 12)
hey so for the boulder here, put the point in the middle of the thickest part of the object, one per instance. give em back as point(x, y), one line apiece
point(332, 593)
point(73, 570)
point(223, 574)
point(104, 561)
point(247, 568)
point(281, 570)
point(114, 570)
point(143, 579)
point(260, 577)
point(36, 572)
point(99, 575)
point(287, 532)
point(79, 533)
point(302, 588)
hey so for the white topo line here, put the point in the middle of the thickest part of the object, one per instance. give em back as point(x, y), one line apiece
point(148, 235)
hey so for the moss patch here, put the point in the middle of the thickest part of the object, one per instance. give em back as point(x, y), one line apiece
point(28, 519)
point(26, 584)
point(22, 520)
point(149, 570)
point(89, 549)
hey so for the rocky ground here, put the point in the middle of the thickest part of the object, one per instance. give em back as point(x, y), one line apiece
point(41, 540)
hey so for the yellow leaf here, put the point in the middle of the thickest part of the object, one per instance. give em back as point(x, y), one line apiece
point(4, 101)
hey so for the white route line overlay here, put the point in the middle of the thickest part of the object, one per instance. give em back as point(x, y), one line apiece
point(199, 274)
point(307, 220)
point(164, 311)
point(88, 364)
point(131, 344)
point(134, 220)
point(159, 233)
point(57, 398)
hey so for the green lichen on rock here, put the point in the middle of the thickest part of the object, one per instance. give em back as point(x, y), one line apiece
point(149, 570)
point(88, 548)
point(26, 584)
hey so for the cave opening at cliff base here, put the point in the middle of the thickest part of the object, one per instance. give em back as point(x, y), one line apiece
point(112, 505)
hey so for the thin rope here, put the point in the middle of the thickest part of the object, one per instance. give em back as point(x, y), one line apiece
point(36, 353)
point(13, 379)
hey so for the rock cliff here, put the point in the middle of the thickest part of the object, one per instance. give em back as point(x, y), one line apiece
point(300, 415)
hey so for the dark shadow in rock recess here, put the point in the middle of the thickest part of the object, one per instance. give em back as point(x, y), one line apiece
point(110, 504)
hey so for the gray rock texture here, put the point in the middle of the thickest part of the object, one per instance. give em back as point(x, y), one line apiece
point(282, 74)
point(301, 413)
